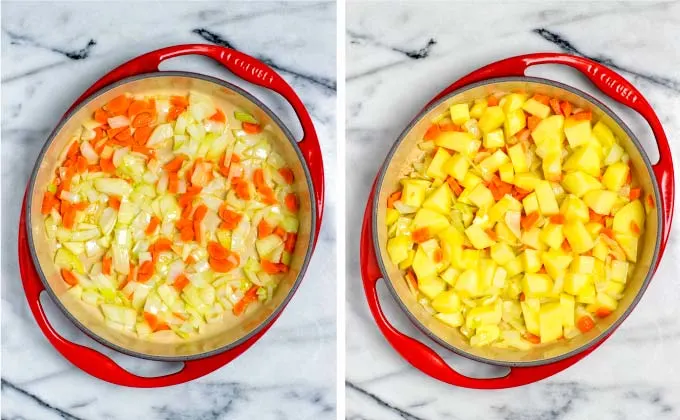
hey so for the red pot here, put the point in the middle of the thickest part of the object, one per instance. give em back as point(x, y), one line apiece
point(544, 361)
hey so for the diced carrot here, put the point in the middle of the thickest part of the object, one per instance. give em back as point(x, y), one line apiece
point(145, 271)
point(432, 132)
point(180, 101)
point(186, 213)
point(80, 206)
point(421, 235)
point(545, 100)
point(532, 122)
point(218, 116)
point(455, 187)
point(449, 127)
point(234, 158)
point(107, 165)
point(47, 203)
point(162, 244)
point(136, 107)
point(269, 267)
point(280, 232)
point(155, 323)
point(634, 227)
point(69, 218)
point(181, 282)
point(200, 212)
point(249, 297)
point(603, 312)
point(523, 135)
point(542, 270)
point(73, 150)
point(231, 218)
point(491, 234)
point(175, 164)
point(173, 183)
point(187, 233)
point(114, 202)
point(106, 265)
point(153, 224)
point(565, 245)
point(583, 116)
point(251, 128)
point(264, 229)
point(81, 164)
point(411, 279)
point(113, 132)
point(69, 277)
point(557, 219)
point(533, 339)
point(522, 297)
point(555, 105)
point(98, 135)
point(224, 265)
point(217, 251)
point(635, 193)
point(174, 112)
point(650, 202)
point(287, 175)
point(629, 177)
point(499, 189)
point(190, 260)
point(519, 194)
point(607, 232)
point(395, 196)
point(131, 275)
point(529, 220)
point(101, 116)
point(143, 119)
point(241, 188)
point(585, 323)
point(594, 217)
point(291, 202)
point(566, 108)
point(289, 245)
point(118, 105)
point(492, 100)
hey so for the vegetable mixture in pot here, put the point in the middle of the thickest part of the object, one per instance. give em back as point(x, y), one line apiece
point(510, 233)
point(167, 214)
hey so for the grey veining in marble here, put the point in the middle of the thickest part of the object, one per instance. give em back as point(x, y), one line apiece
point(399, 55)
point(51, 53)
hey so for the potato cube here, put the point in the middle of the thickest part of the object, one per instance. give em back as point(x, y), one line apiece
point(533, 107)
point(568, 309)
point(552, 236)
point(578, 132)
point(579, 238)
point(512, 102)
point(440, 200)
point(531, 260)
point(600, 201)
point(603, 134)
point(550, 321)
point(549, 134)
point(398, 247)
point(555, 262)
point(460, 141)
point(478, 108)
point(485, 335)
point(532, 238)
point(629, 244)
point(527, 181)
point(446, 302)
point(408, 261)
point(468, 284)
point(459, 113)
point(531, 318)
point(546, 198)
point(619, 271)
point(478, 237)
point(632, 212)
point(605, 301)
point(423, 266)
point(436, 168)
point(454, 320)
point(450, 275)
point(457, 166)
point(481, 197)
point(491, 164)
point(537, 285)
point(584, 158)
point(615, 176)
point(552, 166)
point(484, 315)
point(430, 219)
point(514, 266)
point(502, 253)
point(575, 283)
point(431, 287)
point(515, 121)
point(587, 295)
point(492, 118)
point(507, 172)
point(494, 139)
point(413, 193)
point(573, 208)
point(519, 158)
point(579, 183)
point(583, 264)
point(471, 181)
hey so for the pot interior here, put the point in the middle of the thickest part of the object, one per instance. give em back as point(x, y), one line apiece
point(398, 164)
point(218, 336)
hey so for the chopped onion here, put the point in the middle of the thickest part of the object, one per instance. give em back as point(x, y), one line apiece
point(88, 152)
point(118, 121)
point(513, 220)
point(159, 135)
point(119, 154)
point(403, 208)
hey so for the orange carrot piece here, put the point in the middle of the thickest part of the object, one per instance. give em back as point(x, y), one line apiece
point(153, 224)
point(420, 235)
point(218, 116)
point(47, 203)
point(142, 119)
point(280, 232)
point(200, 212)
point(251, 128)
point(217, 251)
point(532, 122)
point(594, 217)
point(492, 234)
point(555, 105)
point(557, 219)
point(650, 202)
point(529, 220)
point(635, 193)
point(269, 267)
point(106, 265)
point(533, 339)
point(566, 108)
point(583, 116)
point(634, 227)
point(69, 277)
point(287, 175)
point(73, 150)
point(241, 188)
point(173, 183)
point(107, 165)
point(289, 245)
point(118, 105)
point(187, 234)
point(69, 218)
point(585, 323)
point(603, 312)
point(155, 323)
point(395, 196)
point(291, 202)
point(180, 282)
point(454, 185)
point(607, 232)
point(264, 229)
point(224, 265)
point(432, 132)
point(136, 107)
point(101, 116)
point(175, 164)
point(492, 100)
point(449, 127)
point(174, 112)
point(180, 101)
point(545, 100)
point(114, 202)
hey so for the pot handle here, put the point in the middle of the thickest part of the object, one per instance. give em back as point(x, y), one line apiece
point(611, 84)
point(423, 357)
point(248, 69)
point(96, 363)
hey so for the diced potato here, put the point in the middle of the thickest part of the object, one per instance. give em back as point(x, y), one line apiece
point(457, 166)
point(391, 216)
point(531, 316)
point(507, 172)
point(460, 141)
point(398, 247)
point(628, 214)
point(614, 289)
point(481, 197)
point(615, 176)
point(526, 181)
point(459, 113)
point(552, 236)
point(515, 121)
point(494, 139)
point(408, 261)
point(430, 219)
point(491, 164)
point(530, 203)
point(512, 102)
point(550, 321)
point(423, 266)
point(491, 119)
point(546, 198)
point(579, 239)
point(568, 309)
point(552, 166)
point(629, 244)
point(478, 237)
point(587, 295)
point(502, 253)
point(537, 285)
point(619, 271)
point(453, 320)
point(600, 201)
point(573, 208)
point(614, 155)
point(532, 238)
point(485, 335)
point(578, 132)
point(533, 107)
point(603, 300)
point(468, 284)
point(440, 200)
point(502, 206)
point(471, 181)
point(431, 287)
point(555, 262)
point(413, 192)
point(549, 134)
point(519, 158)
point(584, 158)
point(436, 168)
point(446, 302)
point(470, 258)
point(484, 315)
point(583, 264)
point(531, 260)
point(575, 283)
point(450, 275)
point(478, 108)
point(487, 271)
point(603, 134)
point(451, 240)
point(514, 266)
point(579, 183)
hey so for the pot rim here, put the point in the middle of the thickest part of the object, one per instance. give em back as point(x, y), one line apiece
point(287, 134)
point(388, 159)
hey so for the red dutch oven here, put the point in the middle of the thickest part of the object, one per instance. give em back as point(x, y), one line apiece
point(207, 352)
point(543, 361)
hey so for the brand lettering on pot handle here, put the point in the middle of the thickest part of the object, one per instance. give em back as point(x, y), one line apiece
point(613, 82)
point(256, 72)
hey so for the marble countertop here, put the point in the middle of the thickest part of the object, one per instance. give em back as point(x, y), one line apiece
point(398, 57)
point(50, 54)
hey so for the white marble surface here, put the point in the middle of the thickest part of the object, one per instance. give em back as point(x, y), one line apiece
point(635, 375)
point(50, 54)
